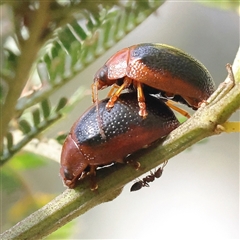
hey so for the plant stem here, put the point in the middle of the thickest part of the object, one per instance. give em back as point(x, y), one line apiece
point(29, 50)
point(74, 202)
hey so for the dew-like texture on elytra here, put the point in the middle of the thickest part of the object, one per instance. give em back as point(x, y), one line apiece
point(121, 119)
point(163, 69)
point(104, 138)
point(164, 59)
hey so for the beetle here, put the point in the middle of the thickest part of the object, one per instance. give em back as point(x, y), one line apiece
point(149, 178)
point(125, 132)
point(159, 68)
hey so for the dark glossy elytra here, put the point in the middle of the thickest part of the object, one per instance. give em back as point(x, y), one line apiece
point(125, 132)
point(160, 69)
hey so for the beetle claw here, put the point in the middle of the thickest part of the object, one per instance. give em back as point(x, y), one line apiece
point(134, 164)
point(94, 187)
point(142, 112)
point(110, 103)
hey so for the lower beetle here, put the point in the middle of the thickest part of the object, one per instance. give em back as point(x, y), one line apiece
point(158, 68)
point(125, 132)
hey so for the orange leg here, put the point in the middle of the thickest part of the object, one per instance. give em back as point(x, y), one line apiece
point(141, 100)
point(113, 89)
point(126, 82)
point(174, 107)
point(92, 173)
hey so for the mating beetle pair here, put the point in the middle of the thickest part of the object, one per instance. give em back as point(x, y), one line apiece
point(125, 132)
point(150, 69)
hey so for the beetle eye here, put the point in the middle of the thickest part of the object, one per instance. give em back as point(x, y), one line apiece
point(67, 174)
point(103, 73)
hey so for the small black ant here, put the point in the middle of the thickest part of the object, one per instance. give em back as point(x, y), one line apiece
point(149, 178)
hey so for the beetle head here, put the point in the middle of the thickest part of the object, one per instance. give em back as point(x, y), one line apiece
point(114, 69)
point(101, 78)
point(73, 162)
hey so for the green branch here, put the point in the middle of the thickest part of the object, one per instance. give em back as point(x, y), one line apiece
point(74, 202)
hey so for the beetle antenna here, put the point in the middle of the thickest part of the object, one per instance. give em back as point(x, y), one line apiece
point(96, 101)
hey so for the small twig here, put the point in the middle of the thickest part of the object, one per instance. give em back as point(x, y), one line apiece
point(224, 87)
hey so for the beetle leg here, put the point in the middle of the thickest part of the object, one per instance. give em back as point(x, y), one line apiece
point(180, 110)
point(113, 88)
point(126, 82)
point(141, 100)
point(92, 173)
point(134, 164)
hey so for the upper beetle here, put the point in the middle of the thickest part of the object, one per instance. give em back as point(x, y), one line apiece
point(125, 132)
point(158, 68)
